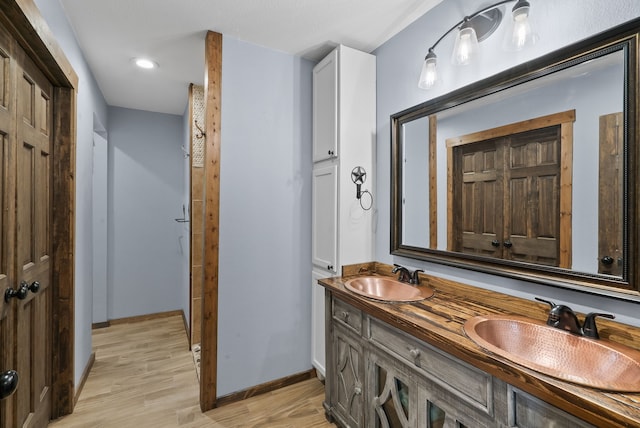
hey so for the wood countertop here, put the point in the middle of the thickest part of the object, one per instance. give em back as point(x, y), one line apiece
point(439, 321)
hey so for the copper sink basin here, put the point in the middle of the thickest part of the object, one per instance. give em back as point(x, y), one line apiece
point(387, 289)
point(595, 363)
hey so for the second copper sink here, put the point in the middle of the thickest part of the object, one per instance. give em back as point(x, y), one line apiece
point(595, 363)
point(387, 289)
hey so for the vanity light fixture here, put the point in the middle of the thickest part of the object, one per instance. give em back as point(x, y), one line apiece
point(145, 63)
point(475, 28)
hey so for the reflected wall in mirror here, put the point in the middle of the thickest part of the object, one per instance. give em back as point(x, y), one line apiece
point(530, 173)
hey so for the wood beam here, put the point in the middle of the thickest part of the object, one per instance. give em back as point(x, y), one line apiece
point(213, 101)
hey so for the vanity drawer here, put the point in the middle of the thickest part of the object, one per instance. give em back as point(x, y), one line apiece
point(347, 315)
point(468, 383)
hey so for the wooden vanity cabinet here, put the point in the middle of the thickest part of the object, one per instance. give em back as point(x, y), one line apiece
point(379, 376)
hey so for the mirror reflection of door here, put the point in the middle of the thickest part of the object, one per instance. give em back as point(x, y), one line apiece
point(505, 195)
point(610, 202)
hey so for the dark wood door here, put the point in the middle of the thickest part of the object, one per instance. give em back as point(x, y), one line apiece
point(610, 201)
point(532, 197)
point(25, 262)
point(506, 201)
point(480, 220)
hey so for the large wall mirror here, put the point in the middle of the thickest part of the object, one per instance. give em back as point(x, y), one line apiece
point(531, 173)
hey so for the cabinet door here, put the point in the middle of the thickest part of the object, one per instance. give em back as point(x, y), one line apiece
point(348, 372)
point(443, 408)
point(526, 411)
point(325, 108)
point(325, 218)
point(317, 323)
point(391, 394)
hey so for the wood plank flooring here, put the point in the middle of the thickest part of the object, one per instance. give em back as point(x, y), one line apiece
point(144, 376)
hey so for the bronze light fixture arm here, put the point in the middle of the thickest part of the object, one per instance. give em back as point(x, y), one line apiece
point(473, 15)
point(431, 58)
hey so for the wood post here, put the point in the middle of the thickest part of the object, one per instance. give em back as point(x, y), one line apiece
point(213, 102)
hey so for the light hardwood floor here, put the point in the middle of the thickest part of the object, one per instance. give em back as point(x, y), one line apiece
point(144, 376)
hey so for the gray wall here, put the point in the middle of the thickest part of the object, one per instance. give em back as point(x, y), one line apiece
point(146, 186)
point(265, 216)
point(398, 65)
point(100, 230)
point(89, 102)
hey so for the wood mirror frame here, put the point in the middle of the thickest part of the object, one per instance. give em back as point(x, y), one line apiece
point(625, 38)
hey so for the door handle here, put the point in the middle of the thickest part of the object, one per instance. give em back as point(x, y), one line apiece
point(8, 383)
point(607, 260)
point(33, 287)
point(20, 293)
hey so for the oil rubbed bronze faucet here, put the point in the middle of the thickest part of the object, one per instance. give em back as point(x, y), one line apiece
point(406, 275)
point(563, 317)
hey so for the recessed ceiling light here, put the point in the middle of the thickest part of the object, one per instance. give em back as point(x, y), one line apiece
point(145, 63)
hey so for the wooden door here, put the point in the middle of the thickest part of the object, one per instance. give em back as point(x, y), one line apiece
point(610, 201)
point(506, 197)
point(26, 180)
point(532, 197)
point(7, 217)
point(478, 210)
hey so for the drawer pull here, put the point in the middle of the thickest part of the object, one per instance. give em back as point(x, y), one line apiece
point(345, 316)
point(414, 353)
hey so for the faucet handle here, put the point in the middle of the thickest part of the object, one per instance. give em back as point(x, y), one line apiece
point(551, 304)
point(589, 328)
point(415, 277)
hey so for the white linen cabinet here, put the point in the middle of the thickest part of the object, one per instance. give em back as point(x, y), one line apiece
point(344, 125)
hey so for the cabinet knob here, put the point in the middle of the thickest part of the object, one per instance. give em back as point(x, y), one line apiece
point(345, 316)
point(508, 244)
point(414, 353)
point(357, 390)
point(329, 267)
point(330, 152)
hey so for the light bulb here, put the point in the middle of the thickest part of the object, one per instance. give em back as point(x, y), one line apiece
point(466, 46)
point(429, 73)
point(145, 63)
point(522, 34)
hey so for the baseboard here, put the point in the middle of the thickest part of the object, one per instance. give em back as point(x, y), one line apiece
point(186, 328)
point(138, 318)
point(97, 325)
point(83, 378)
point(265, 387)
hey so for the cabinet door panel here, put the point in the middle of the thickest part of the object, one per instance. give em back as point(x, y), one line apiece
point(325, 221)
point(526, 411)
point(317, 323)
point(325, 108)
point(391, 394)
point(348, 383)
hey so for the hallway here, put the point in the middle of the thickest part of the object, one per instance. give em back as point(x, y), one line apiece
point(144, 376)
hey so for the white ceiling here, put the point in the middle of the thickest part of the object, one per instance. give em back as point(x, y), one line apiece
point(172, 32)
